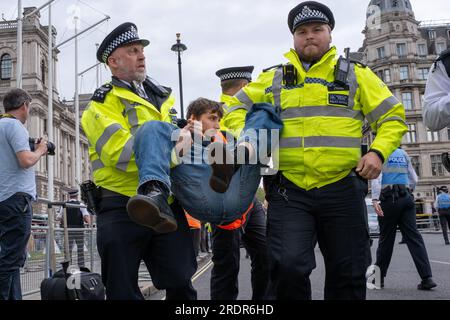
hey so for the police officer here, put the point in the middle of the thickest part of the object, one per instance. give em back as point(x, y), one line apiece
point(442, 205)
point(394, 203)
point(436, 104)
point(115, 113)
point(318, 193)
point(250, 230)
point(76, 218)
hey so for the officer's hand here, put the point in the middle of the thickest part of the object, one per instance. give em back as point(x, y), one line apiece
point(378, 209)
point(185, 141)
point(369, 166)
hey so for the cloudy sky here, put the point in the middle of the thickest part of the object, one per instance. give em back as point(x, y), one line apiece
point(218, 34)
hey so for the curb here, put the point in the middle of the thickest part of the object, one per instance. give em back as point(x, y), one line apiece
point(149, 290)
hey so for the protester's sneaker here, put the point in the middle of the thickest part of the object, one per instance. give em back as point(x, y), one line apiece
point(426, 284)
point(149, 208)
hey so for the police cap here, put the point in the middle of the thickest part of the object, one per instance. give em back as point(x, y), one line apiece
point(73, 192)
point(444, 189)
point(235, 73)
point(310, 11)
point(125, 33)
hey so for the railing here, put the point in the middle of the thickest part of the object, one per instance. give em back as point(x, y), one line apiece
point(8, 25)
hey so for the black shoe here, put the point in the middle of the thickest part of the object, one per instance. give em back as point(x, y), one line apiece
point(222, 172)
point(447, 243)
point(149, 208)
point(426, 284)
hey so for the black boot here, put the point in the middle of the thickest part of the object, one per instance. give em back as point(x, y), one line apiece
point(150, 208)
point(426, 284)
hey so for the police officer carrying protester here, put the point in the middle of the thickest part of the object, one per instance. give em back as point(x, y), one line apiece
point(394, 203)
point(17, 189)
point(442, 205)
point(319, 192)
point(250, 229)
point(115, 113)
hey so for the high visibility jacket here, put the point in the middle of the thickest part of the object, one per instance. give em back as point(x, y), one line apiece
point(395, 170)
point(110, 123)
point(322, 134)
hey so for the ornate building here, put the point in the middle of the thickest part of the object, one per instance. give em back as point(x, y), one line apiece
point(35, 71)
point(401, 50)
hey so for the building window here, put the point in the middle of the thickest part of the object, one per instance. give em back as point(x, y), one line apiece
point(5, 67)
point(423, 73)
point(404, 73)
point(401, 49)
point(415, 162)
point(394, 3)
point(422, 48)
point(43, 72)
point(381, 53)
point(448, 132)
point(448, 34)
point(432, 136)
point(432, 34)
point(440, 47)
point(387, 75)
point(380, 74)
point(437, 169)
point(411, 135)
point(407, 100)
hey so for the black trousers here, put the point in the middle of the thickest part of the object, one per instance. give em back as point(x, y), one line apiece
point(335, 216)
point(123, 244)
point(444, 218)
point(401, 211)
point(226, 257)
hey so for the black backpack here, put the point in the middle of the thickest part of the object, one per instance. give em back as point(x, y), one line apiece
point(57, 287)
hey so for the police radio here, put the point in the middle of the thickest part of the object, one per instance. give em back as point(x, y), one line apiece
point(342, 69)
point(289, 75)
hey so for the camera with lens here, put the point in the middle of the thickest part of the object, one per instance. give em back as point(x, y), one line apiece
point(50, 146)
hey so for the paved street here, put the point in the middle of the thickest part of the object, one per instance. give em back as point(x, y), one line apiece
point(400, 283)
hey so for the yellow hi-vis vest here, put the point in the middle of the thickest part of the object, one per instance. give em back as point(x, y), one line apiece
point(110, 127)
point(322, 134)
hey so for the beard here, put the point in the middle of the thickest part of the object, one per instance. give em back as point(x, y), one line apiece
point(140, 76)
point(311, 53)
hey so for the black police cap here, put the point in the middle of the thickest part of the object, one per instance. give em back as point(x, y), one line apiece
point(310, 11)
point(73, 192)
point(235, 73)
point(125, 33)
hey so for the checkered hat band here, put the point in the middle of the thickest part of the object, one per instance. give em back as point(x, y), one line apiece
point(117, 42)
point(236, 75)
point(309, 15)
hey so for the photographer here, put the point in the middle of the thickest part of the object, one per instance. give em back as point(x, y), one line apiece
point(17, 189)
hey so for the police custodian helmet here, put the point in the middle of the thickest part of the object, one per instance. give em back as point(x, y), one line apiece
point(125, 33)
point(310, 11)
point(235, 73)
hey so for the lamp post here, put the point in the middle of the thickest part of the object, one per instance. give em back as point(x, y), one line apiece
point(179, 48)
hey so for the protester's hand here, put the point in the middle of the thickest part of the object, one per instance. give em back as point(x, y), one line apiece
point(41, 146)
point(369, 166)
point(377, 207)
point(185, 141)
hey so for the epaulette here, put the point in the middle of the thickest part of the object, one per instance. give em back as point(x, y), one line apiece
point(100, 94)
point(358, 63)
point(273, 67)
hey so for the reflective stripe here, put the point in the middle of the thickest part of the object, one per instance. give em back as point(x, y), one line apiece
point(317, 142)
point(97, 164)
point(132, 115)
point(290, 143)
point(382, 109)
point(244, 107)
point(353, 83)
point(333, 142)
point(244, 98)
point(107, 134)
point(125, 156)
point(321, 111)
point(387, 169)
point(276, 87)
point(391, 119)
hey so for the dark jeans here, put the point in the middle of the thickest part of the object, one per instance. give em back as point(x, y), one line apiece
point(333, 215)
point(123, 244)
point(401, 212)
point(15, 229)
point(226, 257)
point(444, 218)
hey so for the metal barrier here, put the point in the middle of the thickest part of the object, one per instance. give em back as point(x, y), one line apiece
point(428, 221)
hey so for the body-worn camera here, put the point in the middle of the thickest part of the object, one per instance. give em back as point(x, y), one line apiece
point(90, 194)
point(50, 146)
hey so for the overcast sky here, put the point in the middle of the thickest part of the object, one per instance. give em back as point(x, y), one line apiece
point(218, 34)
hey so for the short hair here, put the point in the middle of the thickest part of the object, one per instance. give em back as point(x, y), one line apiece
point(201, 106)
point(231, 84)
point(15, 98)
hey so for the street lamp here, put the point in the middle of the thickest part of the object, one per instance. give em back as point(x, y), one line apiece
point(179, 48)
